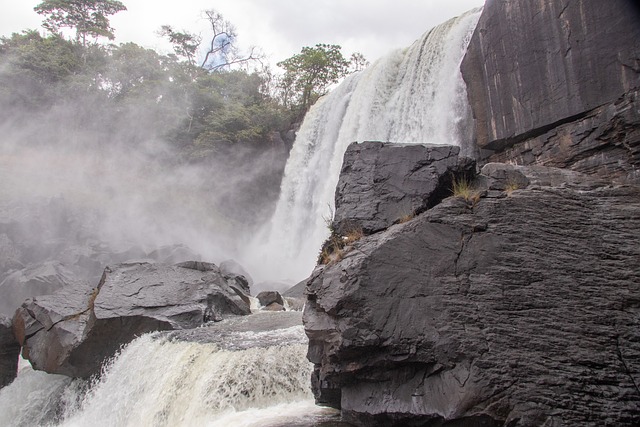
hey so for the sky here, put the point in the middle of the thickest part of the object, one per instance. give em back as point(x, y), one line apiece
point(279, 27)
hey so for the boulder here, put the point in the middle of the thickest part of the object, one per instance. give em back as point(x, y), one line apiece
point(563, 91)
point(381, 183)
point(520, 309)
point(269, 297)
point(274, 306)
point(9, 352)
point(233, 268)
point(73, 331)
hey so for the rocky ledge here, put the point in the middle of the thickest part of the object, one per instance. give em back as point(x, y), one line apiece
point(73, 331)
point(514, 303)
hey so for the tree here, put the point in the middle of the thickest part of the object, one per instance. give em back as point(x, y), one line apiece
point(185, 44)
point(87, 17)
point(222, 51)
point(309, 74)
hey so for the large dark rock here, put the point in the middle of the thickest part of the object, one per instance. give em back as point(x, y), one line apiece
point(521, 308)
point(74, 330)
point(9, 352)
point(269, 297)
point(382, 183)
point(534, 66)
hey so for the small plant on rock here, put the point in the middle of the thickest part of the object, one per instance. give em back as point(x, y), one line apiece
point(337, 245)
point(462, 187)
point(511, 187)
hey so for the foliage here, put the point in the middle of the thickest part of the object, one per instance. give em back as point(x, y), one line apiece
point(463, 187)
point(87, 17)
point(338, 245)
point(309, 74)
point(221, 51)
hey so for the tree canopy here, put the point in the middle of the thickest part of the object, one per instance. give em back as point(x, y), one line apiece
point(309, 74)
point(89, 18)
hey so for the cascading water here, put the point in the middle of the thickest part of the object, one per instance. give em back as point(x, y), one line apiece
point(241, 379)
point(415, 95)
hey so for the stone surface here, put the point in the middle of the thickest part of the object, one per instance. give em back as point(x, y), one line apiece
point(231, 267)
point(269, 297)
point(562, 59)
point(382, 183)
point(605, 142)
point(74, 330)
point(9, 352)
point(519, 309)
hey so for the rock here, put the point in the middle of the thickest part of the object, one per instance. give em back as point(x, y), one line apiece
point(9, 352)
point(42, 279)
point(382, 183)
point(74, 330)
point(519, 310)
point(564, 90)
point(269, 297)
point(233, 268)
point(296, 291)
point(274, 306)
point(605, 142)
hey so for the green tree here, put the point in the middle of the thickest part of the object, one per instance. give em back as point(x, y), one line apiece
point(89, 18)
point(309, 74)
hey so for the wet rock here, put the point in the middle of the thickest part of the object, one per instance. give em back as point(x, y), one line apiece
point(381, 183)
point(519, 310)
point(9, 352)
point(233, 268)
point(274, 306)
point(268, 297)
point(563, 91)
point(74, 330)
point(296, 291)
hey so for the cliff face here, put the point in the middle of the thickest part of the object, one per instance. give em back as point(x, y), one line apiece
point(516, 307)
point(556, 82)
point(517, 303)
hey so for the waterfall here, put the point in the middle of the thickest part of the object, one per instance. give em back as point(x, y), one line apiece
point(244, 379)
point(415, 95)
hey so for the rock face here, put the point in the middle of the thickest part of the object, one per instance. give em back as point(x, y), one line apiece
point(381, 184)
point(563, 91)
point(520, 308)
point(9, 352)
point(74, 330)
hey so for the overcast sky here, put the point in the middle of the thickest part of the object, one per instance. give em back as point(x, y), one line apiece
point(279, 27)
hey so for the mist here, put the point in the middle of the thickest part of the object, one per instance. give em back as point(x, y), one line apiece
point(91, 179)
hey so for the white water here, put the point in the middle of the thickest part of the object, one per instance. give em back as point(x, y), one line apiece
point(159, 382)
point(415, 95)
